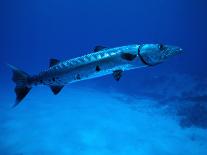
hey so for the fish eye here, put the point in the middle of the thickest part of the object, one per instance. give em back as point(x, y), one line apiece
point(161, 47)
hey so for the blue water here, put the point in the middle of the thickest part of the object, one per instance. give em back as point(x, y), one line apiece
point(158, 110)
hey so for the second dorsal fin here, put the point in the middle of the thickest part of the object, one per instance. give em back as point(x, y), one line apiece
point(99, 48)
point(53, 62)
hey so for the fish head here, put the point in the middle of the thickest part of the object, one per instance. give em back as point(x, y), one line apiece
point(152, 54)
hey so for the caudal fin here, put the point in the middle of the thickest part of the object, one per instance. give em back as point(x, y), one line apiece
point(21, 80)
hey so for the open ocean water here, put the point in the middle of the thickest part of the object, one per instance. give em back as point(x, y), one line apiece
point(160, 110)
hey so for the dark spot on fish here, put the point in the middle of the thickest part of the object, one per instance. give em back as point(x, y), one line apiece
point(77, 77)
point(41, 81)
point(53, 79)
point(161, 47)
point(98, 68)
point(128, 56)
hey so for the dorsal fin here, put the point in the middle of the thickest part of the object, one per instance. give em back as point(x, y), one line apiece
point(56, 89)
point(99, 48)
point(53, 62)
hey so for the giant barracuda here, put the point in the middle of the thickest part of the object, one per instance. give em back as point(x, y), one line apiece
point(102, 61)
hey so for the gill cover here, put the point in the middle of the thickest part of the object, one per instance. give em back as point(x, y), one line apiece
point(150, 53)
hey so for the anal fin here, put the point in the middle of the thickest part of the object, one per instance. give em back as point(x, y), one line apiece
point(21, 92)
point(56, 89)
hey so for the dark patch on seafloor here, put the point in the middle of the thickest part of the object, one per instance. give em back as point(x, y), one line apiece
point(189, 103)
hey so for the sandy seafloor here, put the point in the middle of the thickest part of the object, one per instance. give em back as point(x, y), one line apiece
point(90, 121)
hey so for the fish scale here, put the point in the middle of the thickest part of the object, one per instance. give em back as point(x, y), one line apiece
point(89, 62)
point(83, 60)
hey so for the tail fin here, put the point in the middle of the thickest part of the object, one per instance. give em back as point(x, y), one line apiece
point(21, 79)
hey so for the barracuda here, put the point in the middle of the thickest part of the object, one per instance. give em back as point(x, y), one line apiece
point(102, 61)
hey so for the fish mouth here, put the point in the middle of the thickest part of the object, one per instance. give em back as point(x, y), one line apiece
point(171, 51)
point(174, 50)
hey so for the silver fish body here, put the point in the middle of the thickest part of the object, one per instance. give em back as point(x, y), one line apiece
point(85, 67)
point(102, 62)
